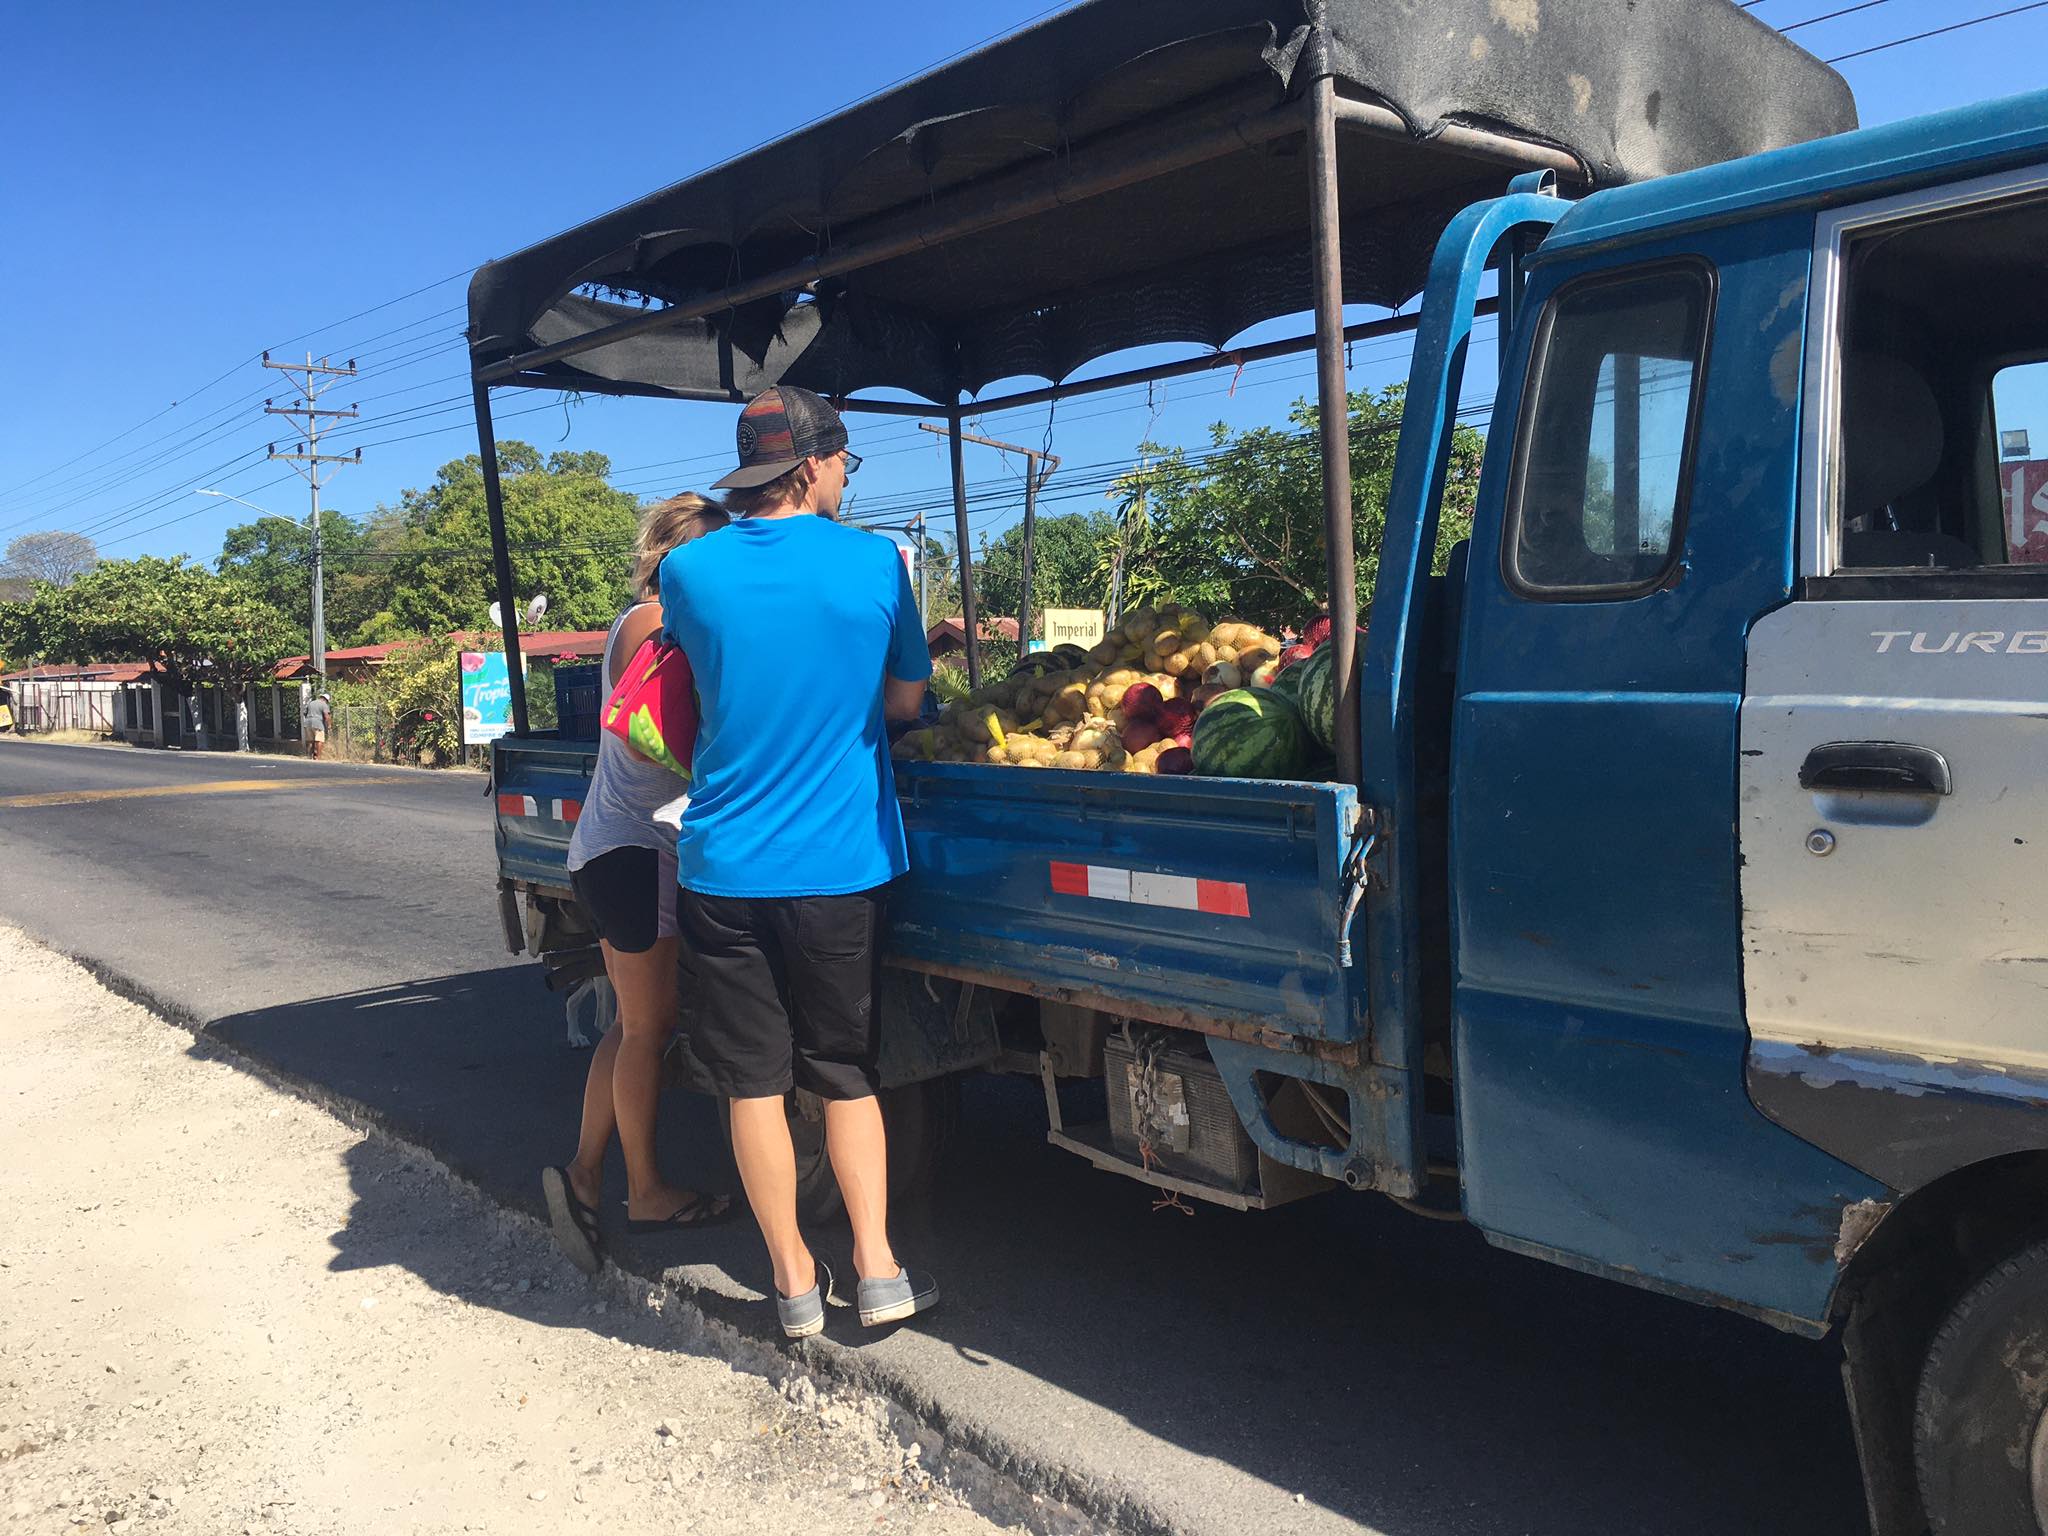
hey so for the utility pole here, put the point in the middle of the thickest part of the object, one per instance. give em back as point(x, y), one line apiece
point(924, 602)
point(1038, 468)
point(319, 378)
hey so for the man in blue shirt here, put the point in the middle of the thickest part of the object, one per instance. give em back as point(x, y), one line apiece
point(805, 640)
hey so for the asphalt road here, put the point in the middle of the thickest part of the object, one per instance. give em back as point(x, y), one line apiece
point(1334, 1366)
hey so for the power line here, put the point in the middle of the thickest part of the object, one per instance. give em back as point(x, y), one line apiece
point(182, 442)
point(1847, 10)
point(1921, 37)
point(199, 426)
point(373, 309)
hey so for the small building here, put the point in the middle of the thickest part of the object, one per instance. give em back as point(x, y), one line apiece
point(359, 663)
point(88, 697)
point(948, 637)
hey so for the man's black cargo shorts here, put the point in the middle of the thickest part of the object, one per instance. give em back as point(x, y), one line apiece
point(779, 992)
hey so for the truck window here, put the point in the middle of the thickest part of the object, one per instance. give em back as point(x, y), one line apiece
point(1606, 435)
point(2019, 419)
point(1943, 435)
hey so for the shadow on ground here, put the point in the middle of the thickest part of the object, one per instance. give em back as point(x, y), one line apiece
point(1394, 1372)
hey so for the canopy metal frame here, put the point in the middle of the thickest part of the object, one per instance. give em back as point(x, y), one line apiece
point(1319, 113)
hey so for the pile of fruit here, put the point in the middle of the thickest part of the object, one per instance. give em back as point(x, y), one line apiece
point(1166, 692)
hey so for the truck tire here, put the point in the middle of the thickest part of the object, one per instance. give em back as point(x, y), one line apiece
point(1980, 1431)
point(921, 1119)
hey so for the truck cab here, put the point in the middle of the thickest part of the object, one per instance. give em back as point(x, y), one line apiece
point(1749, 972)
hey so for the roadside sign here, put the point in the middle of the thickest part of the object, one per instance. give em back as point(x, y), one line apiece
point(2025, 488)
point(1084, 627)
point(486, 697)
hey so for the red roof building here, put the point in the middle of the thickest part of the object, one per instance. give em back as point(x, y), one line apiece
point(948, 637)
point(357, 662)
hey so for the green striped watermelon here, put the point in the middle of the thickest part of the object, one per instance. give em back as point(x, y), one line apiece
point(1251, 733)
point(1313, 686)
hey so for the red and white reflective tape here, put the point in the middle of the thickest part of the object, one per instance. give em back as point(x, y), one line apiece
point(527, 805)
point(1219, 898)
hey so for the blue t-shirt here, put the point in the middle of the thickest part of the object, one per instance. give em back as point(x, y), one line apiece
point(790, 624)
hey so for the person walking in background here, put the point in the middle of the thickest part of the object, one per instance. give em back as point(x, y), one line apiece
point(319, 716)
point(622, 865)
point(242, 722)
point(793, 832)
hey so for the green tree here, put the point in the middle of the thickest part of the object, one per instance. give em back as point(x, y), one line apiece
point(1066, 566)
point(189, 624)
point(1238, 529)
point(273, 556)
point(571, 536)
point(416, 699)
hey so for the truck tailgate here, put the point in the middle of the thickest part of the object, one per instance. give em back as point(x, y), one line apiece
point(1176, 900)
point(540, 785)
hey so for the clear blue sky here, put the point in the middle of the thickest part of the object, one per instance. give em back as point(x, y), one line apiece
point(187, 186)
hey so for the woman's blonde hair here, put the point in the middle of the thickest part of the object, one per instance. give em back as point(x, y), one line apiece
point(668, 525)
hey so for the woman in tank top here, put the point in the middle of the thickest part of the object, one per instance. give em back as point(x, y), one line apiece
point(622, 864)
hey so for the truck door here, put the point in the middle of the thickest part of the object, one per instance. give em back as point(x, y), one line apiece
point(1637, 516)
point(1894, 807)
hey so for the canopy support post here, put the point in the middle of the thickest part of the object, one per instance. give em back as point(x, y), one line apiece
point(501, 552)
point(1030, 541)
point(971, 629)
point(1333, 405)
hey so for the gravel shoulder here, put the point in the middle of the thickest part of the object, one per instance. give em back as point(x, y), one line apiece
point(228, 1310)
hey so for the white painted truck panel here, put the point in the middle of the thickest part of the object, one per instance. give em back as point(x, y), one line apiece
point(1922, 928)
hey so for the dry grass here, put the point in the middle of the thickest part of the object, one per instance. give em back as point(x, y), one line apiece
point(72, 738)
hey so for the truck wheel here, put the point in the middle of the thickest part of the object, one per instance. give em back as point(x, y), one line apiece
point(920, 1118)
point(1980, 1432)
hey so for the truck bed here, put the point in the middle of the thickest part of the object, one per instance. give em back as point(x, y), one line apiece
point(1210, 903)
point(1182, 901)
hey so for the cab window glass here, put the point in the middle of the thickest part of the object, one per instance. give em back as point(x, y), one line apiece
point(2019, 416)
point(1606, 439)
point(1943, 440)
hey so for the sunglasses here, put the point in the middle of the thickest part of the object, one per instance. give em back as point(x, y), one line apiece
point(851, 458)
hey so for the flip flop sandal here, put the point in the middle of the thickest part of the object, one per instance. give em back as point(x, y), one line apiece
point(698, 1211)
point(575, 1224)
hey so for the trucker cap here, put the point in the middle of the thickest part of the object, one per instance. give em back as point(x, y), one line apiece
point(779, 429)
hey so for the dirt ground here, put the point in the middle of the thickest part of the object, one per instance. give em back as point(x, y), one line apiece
point(226, 1310)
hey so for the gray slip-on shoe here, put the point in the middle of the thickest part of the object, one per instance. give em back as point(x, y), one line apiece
point(901, 1295)
point(804, 1315)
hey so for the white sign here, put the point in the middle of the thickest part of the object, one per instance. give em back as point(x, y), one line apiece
point(1084, 627)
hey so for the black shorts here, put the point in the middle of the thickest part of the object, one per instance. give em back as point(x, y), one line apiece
point(629, 894)
point(779, 992)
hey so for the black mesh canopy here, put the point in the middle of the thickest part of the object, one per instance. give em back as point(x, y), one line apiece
point(1629, 88)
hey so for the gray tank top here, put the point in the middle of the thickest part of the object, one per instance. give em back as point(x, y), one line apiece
point(631, 803)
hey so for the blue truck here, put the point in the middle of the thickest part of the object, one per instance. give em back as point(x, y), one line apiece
point(1676, 910)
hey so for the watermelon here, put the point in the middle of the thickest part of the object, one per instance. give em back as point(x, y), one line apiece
point(1318, 630)
point(1250, 733)
point(1037, 663)
point(1312, 685)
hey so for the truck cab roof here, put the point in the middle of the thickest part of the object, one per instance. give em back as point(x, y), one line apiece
point(1844, 168)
